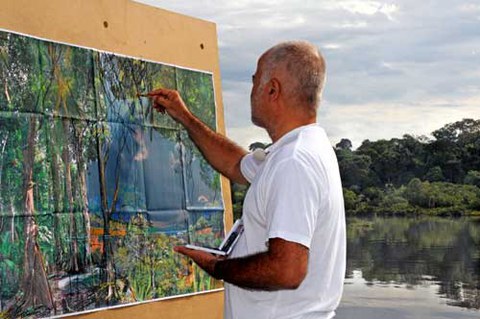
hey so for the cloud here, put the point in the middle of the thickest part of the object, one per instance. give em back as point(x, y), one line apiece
point(246, 135)
point(394, 67)
point(470, 7)
point(332, 46)
point(385, 121)
point(353, 24)
point(369, 8)
point(236, 103)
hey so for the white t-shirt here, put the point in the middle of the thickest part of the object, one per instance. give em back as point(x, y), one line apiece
point(295, 194)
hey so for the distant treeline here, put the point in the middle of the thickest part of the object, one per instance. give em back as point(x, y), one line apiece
point(408, 175)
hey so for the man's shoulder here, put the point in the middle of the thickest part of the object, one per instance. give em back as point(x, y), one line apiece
point(295, 159)
point(310, 144)
point(308, 147)
point(311, 150)
point(312, 137)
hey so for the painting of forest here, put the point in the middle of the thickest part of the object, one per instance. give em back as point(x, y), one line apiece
point(95, 188)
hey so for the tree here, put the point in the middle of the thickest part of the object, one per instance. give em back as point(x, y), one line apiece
point(350, 198)
point(395, 161)
point(344, 144)
point(26, 92)
point(415, 193)
point(473, 178)
point(458, 131)
point(435, 174)
point(457, 148)
point(34, 284)
point(355, 169)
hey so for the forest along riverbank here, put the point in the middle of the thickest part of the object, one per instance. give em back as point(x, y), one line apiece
point(414, 174)
point(409, 175)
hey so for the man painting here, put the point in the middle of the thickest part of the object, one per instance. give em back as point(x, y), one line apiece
point(290, 261)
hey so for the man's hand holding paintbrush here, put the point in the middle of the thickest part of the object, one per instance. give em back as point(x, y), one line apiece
point(170, 102)
point(219, 151)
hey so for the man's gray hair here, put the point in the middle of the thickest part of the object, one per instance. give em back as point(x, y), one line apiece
point(305, 66)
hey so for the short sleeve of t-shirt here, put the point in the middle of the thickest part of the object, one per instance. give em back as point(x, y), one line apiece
point(249, 166)
point(292, 202)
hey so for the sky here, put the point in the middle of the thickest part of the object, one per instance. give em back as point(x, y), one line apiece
point(393, 67)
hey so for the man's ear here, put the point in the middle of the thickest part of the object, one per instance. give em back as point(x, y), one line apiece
point(274, 89)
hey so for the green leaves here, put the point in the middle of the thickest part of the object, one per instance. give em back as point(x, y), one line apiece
point(388, 166)
point(77, 140)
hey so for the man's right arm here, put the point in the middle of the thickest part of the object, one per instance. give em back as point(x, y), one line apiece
point(222, 153)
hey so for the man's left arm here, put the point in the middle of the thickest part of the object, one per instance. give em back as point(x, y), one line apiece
point(283, 266)
point(291, 212)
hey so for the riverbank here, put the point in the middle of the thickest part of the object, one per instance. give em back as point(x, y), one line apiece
point(417, 197)
point(415, 212)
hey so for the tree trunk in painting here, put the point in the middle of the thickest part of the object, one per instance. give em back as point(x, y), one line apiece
point(35, 286)
point(85, 212)
point(57, 194)
point(12, 228)
point(82, 167)
point(4, 144)
point(74, 263)
point(107, 241)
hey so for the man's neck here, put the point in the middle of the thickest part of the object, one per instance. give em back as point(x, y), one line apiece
point(281, 129)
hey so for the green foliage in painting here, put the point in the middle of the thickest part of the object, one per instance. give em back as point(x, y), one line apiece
point(75, 232)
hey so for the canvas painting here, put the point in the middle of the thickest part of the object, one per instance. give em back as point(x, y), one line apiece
point(95, 187)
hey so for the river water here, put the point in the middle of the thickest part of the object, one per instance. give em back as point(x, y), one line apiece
point(409, 268)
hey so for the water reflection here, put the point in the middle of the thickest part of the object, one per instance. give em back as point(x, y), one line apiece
point(414, 252)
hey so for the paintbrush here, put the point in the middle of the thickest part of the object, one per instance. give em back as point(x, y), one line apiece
point(160, 108)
